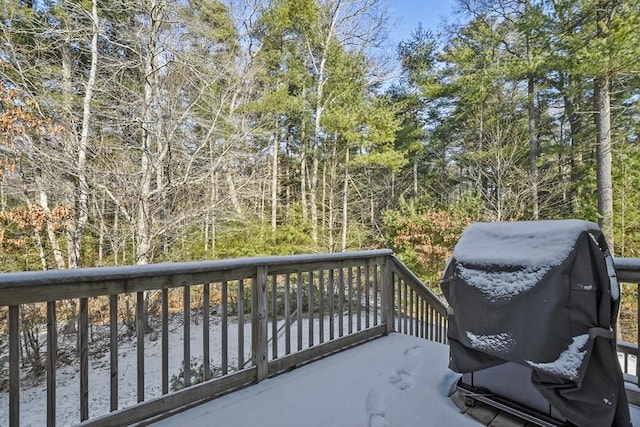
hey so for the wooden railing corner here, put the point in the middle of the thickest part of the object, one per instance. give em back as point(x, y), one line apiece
point(259, 335)
point(387, 295)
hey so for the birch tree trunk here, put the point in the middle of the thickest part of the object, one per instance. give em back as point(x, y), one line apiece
point(144, 216)
point(233, 193)
point(274, 181)
point(415, 176)
point(345, 202)
point(321, 80)
point(303, 182)
point(315, 149)
point(51, 235)
point(533, 123)
point(82, 188)
point(533, 148)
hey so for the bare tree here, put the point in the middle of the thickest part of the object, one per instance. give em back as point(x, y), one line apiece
point(353, 24)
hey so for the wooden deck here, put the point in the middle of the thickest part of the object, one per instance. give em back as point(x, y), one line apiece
point(253, 319)
point(396, 380)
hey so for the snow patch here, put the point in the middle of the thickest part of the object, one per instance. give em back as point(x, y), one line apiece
point(502, 285)
point(569, 361)
point(498, 343)
point(527, 250)
point(531, 243)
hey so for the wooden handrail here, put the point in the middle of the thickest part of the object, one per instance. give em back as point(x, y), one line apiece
point(627, 269)
point(51, 285)
point(419, 286)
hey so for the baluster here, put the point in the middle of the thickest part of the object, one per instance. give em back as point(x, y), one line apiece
point(341, 302)
point(399, 304)
point(412, 311)
point(240, 324)
point(113, 348)
point(52, 351)
point(350, 291)
point(299, 308)
point(186, 335)
point(225, 328)
point(84, 358)
point(637, 353)
point(165, 341)
point(287, 311)
point(140, 344)
point(274, 316)
point(375, 294)
point(331, 305)
point(14, 366)
point(321, 305)
point(423, 317)
point(431, 324)
point(405, 305)
point(206, 310)
point(416, 311)
point(367, 286)
point(359, 298)
point(311, 290)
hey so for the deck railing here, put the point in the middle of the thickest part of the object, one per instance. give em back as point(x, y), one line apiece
point(628, 272)
point(239, 322)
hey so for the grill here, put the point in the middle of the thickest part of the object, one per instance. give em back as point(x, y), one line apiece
point(533, 308)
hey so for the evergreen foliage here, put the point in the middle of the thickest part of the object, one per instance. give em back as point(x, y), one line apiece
point(169, 130)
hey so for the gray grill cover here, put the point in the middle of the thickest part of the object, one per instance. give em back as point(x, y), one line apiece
point(541, 294)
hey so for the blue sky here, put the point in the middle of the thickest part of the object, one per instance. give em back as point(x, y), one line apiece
point(408, 13)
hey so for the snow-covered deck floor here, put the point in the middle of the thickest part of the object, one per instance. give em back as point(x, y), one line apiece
point(396, 380)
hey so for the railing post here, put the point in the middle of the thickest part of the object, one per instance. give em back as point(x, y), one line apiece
point(14, 366)
point(140, 345)
point(83, 326)
point(259, 335)
point(638, 328)
point(113, 350)
point(387, 295)
point(52, 343)
point(186, 334)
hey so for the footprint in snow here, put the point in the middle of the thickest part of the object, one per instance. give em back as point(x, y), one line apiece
point(402, 379)
point(414, 351)
point(376, 410)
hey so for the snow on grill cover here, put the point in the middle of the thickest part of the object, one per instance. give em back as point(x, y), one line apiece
point(542, 294)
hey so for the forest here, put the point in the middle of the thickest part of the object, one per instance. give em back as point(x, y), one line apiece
point(144, 131)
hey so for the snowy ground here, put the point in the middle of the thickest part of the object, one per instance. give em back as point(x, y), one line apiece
point(33, 397)
point(396, 380)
